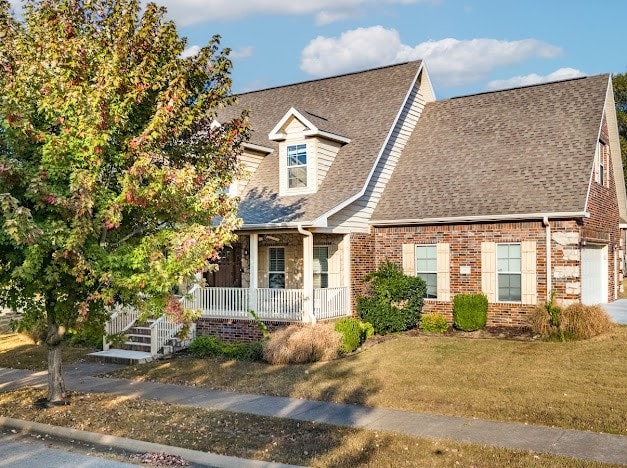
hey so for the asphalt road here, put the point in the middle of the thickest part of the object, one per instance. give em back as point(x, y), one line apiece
point(17, 451)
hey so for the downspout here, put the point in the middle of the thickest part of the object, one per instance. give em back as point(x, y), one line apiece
point(549, 285)
point(308, 273)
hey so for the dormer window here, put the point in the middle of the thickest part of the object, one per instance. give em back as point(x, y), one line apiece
point(297, 166)
point(307, 149)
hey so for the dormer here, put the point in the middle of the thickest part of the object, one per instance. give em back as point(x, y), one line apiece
point(306, 150)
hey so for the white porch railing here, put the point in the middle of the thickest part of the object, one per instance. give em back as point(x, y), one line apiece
point(219, 302)
point(268, 303)
point(280, 304)
point(330, 303)
point(164, 329)
point(122, 318)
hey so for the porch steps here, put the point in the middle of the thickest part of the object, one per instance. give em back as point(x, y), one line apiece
point(121, 356)
point(135, 350)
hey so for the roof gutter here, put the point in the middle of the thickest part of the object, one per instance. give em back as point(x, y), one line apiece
point(254, 227)
point(321, 220)
point(481, 218)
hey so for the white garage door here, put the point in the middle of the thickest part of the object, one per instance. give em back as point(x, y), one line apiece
point(594, 275)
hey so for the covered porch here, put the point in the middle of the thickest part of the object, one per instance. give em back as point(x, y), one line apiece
point(291, 276)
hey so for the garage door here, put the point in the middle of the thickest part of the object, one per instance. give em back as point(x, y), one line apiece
point(594, 275)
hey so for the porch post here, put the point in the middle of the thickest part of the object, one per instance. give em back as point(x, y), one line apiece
point(308, 290)
point(346, 263)
point(254, 270)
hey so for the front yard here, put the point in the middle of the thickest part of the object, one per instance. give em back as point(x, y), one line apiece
point(20, 352)
point(580, 385)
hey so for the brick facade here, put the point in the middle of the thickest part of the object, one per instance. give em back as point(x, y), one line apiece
point(234, 329)
point(362, 259)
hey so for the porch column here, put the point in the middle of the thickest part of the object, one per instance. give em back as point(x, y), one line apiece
point(308, 292)
point(346, 280)
point(254, 272)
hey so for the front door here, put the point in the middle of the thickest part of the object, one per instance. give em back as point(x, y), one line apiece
point(229, 274)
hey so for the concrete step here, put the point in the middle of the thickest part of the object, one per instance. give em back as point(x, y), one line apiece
point(135, 338)
point(120, 356)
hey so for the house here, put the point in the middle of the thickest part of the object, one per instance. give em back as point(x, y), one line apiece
point(516, 193)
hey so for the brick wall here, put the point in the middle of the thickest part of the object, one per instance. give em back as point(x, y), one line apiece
point(602, 227)
point(465, 251)
point(234, 329)
point(362, 262)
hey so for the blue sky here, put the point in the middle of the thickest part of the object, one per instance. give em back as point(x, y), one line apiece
point(469, 46)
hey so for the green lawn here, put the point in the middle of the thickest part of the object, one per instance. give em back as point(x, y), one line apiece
point(580, 385)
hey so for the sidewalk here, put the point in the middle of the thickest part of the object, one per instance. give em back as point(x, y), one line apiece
point(583, 445)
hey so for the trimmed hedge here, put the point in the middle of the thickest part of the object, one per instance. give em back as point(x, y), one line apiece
point(433, 323)
point(396, 300)
point(470, 311)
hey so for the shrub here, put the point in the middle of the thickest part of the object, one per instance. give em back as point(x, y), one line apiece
point(433, 323)
point(211, 346)
point(299, 344)
point(575, 322)
point(354, 333)
point(396, 300)
point(581, 322)
point(470, 311)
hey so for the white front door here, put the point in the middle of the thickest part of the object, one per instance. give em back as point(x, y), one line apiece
point(594, 276)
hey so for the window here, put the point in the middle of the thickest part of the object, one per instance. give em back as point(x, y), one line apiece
point(297, 166)
point(508, 261)
point(276, 268)
point(601, 169)
point(427, 268)
point(320, 267)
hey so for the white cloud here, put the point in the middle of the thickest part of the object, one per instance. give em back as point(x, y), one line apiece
point(534, 78)
point(451, 62)
point(190, 51)
point(241, 53)
point(187, 12)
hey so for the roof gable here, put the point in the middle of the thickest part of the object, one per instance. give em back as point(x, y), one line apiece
point(362, 107)
point(278, 133)
point(506, 153)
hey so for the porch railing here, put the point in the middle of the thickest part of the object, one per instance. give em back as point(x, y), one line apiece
point(163, 329)
point(121, 319)
point(268, 303)
point(330, 303)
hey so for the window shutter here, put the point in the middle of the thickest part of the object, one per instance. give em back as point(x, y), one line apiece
point(488, 270)
point(444, 275)
point(409, 259)
point(262, 259)
point(528, 281)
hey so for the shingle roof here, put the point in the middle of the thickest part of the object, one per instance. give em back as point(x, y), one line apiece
point(518, 151)
point(361, 106)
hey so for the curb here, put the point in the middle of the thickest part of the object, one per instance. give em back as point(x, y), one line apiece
point(137, 446)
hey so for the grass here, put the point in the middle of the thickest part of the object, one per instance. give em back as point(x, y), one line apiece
point(579, 385)
point(263, 438)
point(20, 352)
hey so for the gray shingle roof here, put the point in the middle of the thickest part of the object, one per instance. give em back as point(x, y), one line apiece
point(519, 151)
point(361, 106)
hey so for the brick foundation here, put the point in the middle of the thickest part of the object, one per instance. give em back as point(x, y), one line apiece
point(234, 329)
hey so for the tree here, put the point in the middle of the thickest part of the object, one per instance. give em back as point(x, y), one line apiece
point(620, 96)
point(112, 176)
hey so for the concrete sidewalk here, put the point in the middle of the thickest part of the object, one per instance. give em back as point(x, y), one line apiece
point(617, 310)
point(570, 443)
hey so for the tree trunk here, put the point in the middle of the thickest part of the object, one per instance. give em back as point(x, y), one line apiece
point(56, 386)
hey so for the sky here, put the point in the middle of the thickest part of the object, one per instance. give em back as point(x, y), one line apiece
point(469, 46)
